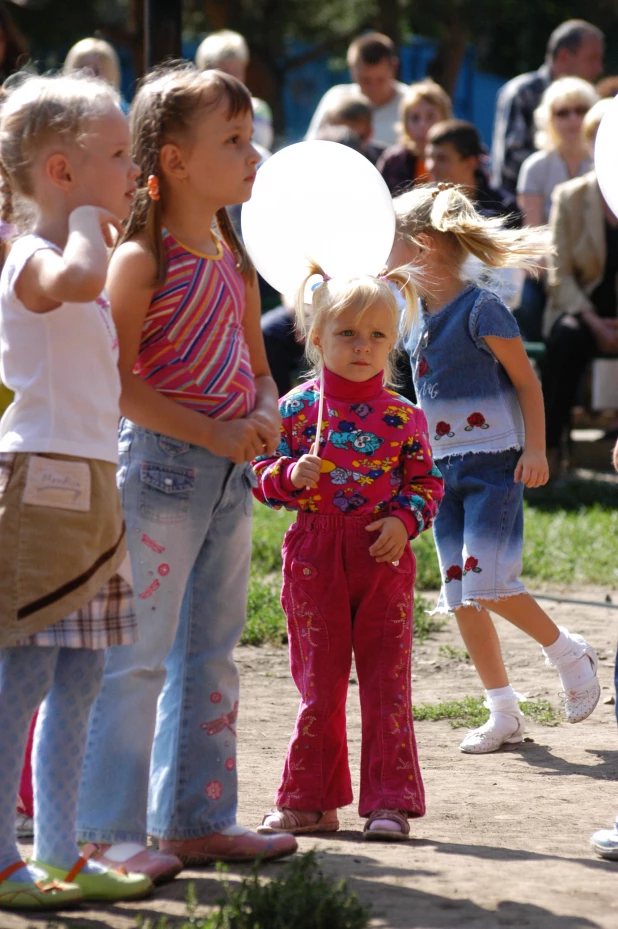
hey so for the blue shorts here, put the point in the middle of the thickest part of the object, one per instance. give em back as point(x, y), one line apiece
point(479, 529)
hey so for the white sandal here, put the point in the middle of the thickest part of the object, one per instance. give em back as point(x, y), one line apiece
point(499, 729)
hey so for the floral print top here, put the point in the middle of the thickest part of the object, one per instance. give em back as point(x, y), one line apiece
point(465, 393)
point(375, 450)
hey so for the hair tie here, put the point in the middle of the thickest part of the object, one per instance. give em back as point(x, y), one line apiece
point(383, 277)
point(440, 186)
point(326, 277)
point(153, 187)
point(7, 230)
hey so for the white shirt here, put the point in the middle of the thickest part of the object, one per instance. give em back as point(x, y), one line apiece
point(384, 118)
point(542, 171)
point(62, 366)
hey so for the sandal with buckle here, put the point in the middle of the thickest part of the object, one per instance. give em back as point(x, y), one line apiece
point(298, 822)
point(108, 886)
point(381, 832)
point(44, 895)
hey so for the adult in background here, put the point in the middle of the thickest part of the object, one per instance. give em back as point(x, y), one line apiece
point(574, 48)
point(228, 51)
point(100, 59)
point(563, 154)
point(372, 60)
point(424, 104)
point(580, 317)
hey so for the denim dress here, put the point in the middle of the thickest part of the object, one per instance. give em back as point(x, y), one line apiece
point(477, 430)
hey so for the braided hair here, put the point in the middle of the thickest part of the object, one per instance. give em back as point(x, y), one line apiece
point(163, 111)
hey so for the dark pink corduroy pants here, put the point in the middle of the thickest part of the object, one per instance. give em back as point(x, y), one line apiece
point(338, 599)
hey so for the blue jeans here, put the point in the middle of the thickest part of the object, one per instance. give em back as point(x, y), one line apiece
point(161, 754)
point(479, 528)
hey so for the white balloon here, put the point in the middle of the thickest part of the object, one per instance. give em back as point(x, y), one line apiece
point(606, 156)
point(322, 202)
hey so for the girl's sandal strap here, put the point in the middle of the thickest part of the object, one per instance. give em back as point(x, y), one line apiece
point(77, 867)
point(12, 868)
point(395, 815)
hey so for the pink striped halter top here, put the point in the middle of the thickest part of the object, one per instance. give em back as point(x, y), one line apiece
point(193, 346)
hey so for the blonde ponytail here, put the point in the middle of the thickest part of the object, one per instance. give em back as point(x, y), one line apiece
point(447, 210)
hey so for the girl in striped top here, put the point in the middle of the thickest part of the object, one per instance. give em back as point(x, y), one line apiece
point(199, 404)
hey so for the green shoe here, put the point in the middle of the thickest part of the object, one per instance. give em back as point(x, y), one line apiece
point(41, 896)
point(107, 887)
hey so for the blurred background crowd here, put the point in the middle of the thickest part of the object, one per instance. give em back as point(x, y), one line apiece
point(479, 94)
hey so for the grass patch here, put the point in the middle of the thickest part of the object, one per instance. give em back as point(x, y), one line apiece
point(453, 654)
point(424, 624)
point(470, 712)
point(265, 619)
point(269, 527)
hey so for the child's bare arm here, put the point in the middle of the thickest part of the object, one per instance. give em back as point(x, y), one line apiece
point(266, 411)
point(532, 469)
point(78, 274)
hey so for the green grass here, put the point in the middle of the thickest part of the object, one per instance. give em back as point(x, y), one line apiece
point(453, 654)
point(471, 713)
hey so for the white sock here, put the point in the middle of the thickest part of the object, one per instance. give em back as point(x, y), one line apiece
point(122, 851)
point(566, 654)
point(233, 830)
point(502, 700)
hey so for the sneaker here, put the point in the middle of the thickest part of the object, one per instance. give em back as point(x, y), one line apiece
point(24, 826)
point(499, 729)
point(605, 842)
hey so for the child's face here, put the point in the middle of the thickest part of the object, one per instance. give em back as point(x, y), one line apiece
point(103, 172)
point(444, 163)
point(420, 117)
point(357, 347)
point(219, 163)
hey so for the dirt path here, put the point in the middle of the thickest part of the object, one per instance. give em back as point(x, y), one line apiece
point(505, 839)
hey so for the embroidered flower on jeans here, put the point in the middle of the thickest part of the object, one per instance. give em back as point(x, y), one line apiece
point(214, 789)
point(476, 419)
point(443, 429)
point(454, 573)
point(230, 764)
point(423, 367)
point(163, 569)
point(472, 565)
point(215, 697)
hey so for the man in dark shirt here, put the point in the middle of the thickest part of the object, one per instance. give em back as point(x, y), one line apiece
point(454, 154)
point(574, 48)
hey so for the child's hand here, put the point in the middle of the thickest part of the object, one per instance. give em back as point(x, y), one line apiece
point(532, 469)
point(268, 426)
point(393, 538)
point(84, 218)
point(306, 472)
point(236, 439)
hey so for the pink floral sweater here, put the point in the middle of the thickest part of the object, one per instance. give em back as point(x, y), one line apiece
point(376, 456)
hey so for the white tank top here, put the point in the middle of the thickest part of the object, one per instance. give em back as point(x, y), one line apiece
point(62, 366)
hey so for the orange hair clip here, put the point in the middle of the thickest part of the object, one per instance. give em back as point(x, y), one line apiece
point(153, 187)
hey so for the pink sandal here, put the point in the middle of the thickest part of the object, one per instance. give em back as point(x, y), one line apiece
point(381, 831)
point(158, 866)
point(297, 822)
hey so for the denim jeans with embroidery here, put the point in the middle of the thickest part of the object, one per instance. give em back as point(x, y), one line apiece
point(161, 755)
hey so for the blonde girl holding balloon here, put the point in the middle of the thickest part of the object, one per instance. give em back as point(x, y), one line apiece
point(199, 404)
point(354, 461)
point(484, 408)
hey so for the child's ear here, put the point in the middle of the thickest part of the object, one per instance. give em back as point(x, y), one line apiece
point(58, 171)
point(424, 240)
point(172, 161)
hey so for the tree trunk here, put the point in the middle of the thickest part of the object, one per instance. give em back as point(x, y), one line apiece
point(162, 31)
point(449, 55)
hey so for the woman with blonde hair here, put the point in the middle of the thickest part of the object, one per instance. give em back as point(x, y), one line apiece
point(96, 56)
point(424, 104)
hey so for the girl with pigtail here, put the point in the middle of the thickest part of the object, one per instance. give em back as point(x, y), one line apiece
point(355, 462)
point(484, 407)
point(198, 404)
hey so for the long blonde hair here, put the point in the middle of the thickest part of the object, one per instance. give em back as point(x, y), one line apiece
point(444, 210)
point(164, 110)
point(332, 296)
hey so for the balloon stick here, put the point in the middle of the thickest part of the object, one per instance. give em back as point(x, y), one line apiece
point(315, 448)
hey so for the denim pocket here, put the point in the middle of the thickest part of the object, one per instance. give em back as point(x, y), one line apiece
point(172, 447)
point(165, 492)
